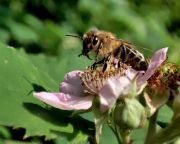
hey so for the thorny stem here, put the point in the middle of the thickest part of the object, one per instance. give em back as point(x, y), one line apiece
point(151, 128)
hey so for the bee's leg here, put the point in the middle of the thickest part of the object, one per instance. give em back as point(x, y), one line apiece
point(97, 62)
point(106, 61)
point(94, 65)
point(119, 64)
point(108, 58)
point(104, 67)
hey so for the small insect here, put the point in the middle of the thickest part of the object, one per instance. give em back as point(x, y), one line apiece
point(107, 47)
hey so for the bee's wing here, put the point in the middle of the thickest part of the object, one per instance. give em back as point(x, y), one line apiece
point(128, 44)
point(131, 45)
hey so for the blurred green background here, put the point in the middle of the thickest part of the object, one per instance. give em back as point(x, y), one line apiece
point(37, 28)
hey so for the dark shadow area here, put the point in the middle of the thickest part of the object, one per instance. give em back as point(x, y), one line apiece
point(36, 87)
point(80, 125)
point(52, 115)
point(62, 118)
point(162, 124)
point(19, 135)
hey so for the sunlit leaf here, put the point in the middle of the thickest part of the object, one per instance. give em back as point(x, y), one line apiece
point(19, 78)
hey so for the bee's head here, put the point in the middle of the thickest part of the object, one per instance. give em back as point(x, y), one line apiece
point(91, 42)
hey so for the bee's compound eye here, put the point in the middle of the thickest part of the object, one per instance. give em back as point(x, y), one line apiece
point(95, 40)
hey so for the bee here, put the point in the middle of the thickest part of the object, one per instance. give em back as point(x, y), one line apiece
point(107, 47)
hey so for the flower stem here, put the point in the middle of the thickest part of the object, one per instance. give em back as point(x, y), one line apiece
point(167, 134)
point(126, 136)
point(115, 131)
point(151, 128)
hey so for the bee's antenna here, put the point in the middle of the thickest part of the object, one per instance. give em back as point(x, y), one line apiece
point(74, 36)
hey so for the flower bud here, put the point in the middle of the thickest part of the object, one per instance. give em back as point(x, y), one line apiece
point(129, 114)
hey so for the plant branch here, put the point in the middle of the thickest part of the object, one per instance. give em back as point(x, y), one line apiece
point(152, 128)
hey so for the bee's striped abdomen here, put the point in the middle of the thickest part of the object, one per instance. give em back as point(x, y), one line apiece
point(131, 56)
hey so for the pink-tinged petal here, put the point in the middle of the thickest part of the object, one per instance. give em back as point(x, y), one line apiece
point(114, 87)
point(65, 101)
point(73, 77)
point(158, 58)
point(72, 84)
point(131, 73)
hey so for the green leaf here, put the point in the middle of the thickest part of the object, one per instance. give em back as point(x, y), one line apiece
point(19, 78)
point(108, 136)
point(83, 130)
point(165, 114)
point(78, 138)
point(57, 67)
point(138, 135)
point(21, 32)
point(4, 132)
point(4, 35)
point(16, 142)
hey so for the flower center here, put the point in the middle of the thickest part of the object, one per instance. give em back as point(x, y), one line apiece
point(94, 79)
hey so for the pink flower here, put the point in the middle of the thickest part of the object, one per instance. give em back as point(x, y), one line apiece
point(71, 96)
point(158, 58)
point(155, 98)
point(78, 89)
